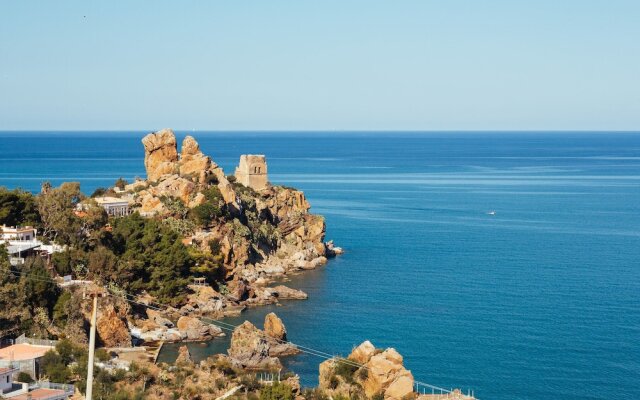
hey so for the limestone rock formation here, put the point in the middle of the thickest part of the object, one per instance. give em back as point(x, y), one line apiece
point(195, 329)
point(112, 330)
point(385, 373)
point(250, 348)
point(274, 327)
point(163, 165)
point(192, 161)
point(286, 293)
point(184, 357)
point(253, 348)
point(363, 353)
point(160, 153)
point(158, 319)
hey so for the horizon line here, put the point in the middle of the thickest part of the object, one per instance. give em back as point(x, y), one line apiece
point(328, 130)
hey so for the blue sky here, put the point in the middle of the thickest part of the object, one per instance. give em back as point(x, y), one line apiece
point(316, 65)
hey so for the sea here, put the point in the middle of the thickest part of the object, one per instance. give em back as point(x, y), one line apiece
point(507, 263)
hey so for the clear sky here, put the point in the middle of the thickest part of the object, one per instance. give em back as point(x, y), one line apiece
point(316, 65)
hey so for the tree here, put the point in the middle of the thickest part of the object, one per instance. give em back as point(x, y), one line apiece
point(150, 256)
point(40, 290)
point(56, 208)
point(60, 314)
point(18, 207)
point(121, 183)
point(12, 298)
point(99, 192)
point(203, 214)
point(54, 367)
point(65, 350)
point(103, 265)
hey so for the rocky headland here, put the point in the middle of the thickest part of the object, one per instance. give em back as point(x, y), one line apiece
point(257, 231)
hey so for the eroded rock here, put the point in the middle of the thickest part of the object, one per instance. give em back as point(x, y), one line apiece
point(160, 153)
point(250, 348)
point(274, 327)
point(184, 356)
point(195, 329)
point(112, 329)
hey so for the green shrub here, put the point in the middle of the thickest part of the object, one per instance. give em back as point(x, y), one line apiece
point(121, 183)
point(346, 368)
point(102, 355)
point(250, 382)
point(54, 368)
point(24, 377)
point(65, 349)
point(334, 382)
point(99, 192)
point(277, 391)
point(314, 394)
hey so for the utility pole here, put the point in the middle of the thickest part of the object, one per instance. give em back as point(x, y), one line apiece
point(92, 347)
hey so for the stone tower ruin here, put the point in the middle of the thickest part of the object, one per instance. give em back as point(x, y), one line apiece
point(252, 171)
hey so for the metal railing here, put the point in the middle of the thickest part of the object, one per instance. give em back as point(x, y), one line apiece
point(422, 388)
point(68, 389)
point(22, 339)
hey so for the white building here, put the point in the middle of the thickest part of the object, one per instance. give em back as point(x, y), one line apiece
point(6, 379)
point(17, 232)
point(21, 243)
point(9, 389)
point(114, 206)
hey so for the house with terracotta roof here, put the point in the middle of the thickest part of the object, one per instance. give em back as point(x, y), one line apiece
point(24, 356)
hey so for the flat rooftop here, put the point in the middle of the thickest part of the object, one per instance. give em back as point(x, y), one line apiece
point(110, 200)
point(23, 351)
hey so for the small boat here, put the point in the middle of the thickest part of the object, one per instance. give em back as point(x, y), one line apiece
point(491, 212)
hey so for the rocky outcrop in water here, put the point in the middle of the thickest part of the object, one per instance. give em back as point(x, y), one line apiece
point(250, 348)
point(273, 327)
point(184, 356)
point(256, 349)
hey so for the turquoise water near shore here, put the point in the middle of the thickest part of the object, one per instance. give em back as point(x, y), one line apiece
point(539, 300)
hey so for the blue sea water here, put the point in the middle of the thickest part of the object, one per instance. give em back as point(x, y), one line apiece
point(540, 300)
